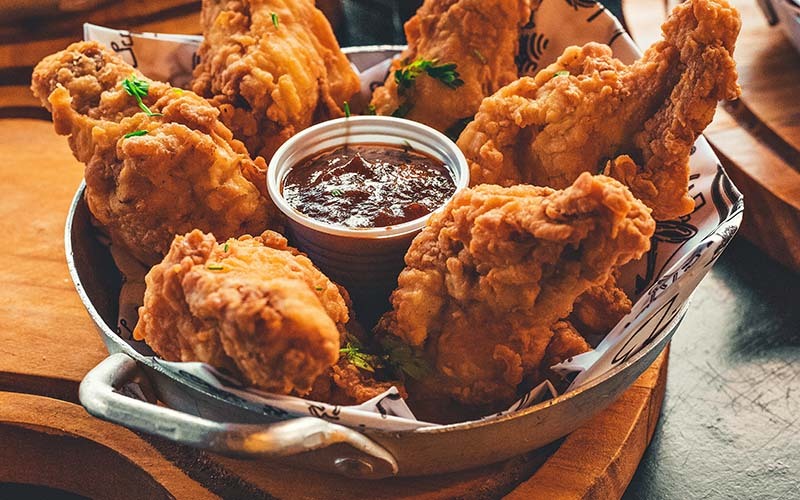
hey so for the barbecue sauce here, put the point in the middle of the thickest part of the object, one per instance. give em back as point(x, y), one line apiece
point(368, 185)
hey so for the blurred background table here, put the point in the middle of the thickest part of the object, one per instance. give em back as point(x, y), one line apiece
point(730, 418)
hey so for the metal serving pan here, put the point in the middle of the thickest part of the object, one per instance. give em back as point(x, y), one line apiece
point(208, 420)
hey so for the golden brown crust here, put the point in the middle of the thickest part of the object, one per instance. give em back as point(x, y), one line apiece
point(254, 306)
point(268, 81)
point(488, 277)
point(600, 308)
point(548, 129)
point(187, 171)
point(481, 37)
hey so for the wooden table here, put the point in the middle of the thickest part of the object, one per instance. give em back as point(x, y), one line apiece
point(48, 342)
point(758, 136)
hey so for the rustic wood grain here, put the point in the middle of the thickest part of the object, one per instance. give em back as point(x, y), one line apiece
point(40, 313)
point(52, 443)
point(610, 448)
point(49, 344)
point(757, 137)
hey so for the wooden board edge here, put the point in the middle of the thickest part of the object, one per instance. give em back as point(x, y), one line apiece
point(41, 433)
point(605, 468)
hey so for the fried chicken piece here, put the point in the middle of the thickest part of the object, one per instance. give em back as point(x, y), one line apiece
point(254, 306)
point(489, 275)
point(272, 67)
point(346, 384)
point(149, 178)
point(600, 308)
point(588, 107)
point(480, 37)
point(565, 343)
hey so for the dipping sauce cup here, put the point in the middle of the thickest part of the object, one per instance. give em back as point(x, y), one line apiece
point(361, 259)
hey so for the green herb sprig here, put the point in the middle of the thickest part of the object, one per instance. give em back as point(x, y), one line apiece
point(445, 73)
point(346, 109)
point(397, 355)
point(138, 88)
point(135, 133)
point(403, 357)
point(360, 359)
point(275, 21)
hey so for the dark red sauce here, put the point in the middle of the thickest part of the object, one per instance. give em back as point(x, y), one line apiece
point(368, 185)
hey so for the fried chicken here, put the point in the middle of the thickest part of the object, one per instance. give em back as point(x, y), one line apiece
point(480, 37)
point(253, 306)
point(273, 67)
point(346, 384)
point(588, 108)
point(150, 177)
point(488, 277)
point(565, 343)
point(600, 308)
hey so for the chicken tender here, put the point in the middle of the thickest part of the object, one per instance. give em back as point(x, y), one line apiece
point(588, 108)
point(254, 306)
point(150, 176)
point(479, 37)
point(272, 67)
point(488, 277)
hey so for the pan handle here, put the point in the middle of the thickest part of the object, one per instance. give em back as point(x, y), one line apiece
point(99, 395)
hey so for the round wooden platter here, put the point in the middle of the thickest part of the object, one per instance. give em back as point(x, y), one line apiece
point(48, 344)
point(758, 136)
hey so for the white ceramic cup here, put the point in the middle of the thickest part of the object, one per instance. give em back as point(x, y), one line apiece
point(359, 258)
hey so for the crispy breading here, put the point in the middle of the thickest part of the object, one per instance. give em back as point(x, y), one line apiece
point(490, 274)
point(273, 67)
point(254, 306)
point(600, 308)
point(480, 37)
point(185, 171)
point(588, 108)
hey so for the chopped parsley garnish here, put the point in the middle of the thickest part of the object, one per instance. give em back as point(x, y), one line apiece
point(274, 17)
point(360, 359)
point(563, 72)
point(215, 267)
point(445, 73)
point(337, 192)
point(396, 355)
point(177, 90)
point(318, 288)
point(402, 356)
point(479, 56)
point(135, 133)
point(371, 110)
point(138, 89)
point(346, 109)
point(225, 248)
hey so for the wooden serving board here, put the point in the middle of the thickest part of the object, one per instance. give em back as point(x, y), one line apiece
point(757, 137)
point(48, 343)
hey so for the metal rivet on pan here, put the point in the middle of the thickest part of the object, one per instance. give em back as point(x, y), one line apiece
point(353, 466)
